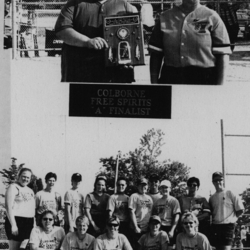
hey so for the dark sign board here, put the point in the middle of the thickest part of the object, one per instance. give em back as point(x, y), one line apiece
point(128, 101)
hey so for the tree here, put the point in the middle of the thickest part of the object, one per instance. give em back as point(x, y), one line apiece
point(245, 218)
point(143, 161)
point(10, 176)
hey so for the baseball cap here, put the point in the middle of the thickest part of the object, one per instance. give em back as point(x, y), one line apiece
point(165, 183)
point(114, 220)
point(217, 176)
point(76, 177)
point(154, 177)
point(155, 218)
point(143, 181)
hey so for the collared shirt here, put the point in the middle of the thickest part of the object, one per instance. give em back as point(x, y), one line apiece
point(191, 40)
point(86, 17)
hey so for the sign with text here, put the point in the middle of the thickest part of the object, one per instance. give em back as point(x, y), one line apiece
point(128, 101)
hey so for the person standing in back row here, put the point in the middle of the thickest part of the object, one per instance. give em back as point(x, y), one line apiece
point(80, 27)
point(226, 208)
point(74, 203)
point(140, 205)
point(20, 209)
point(49, 199)
point(168, 209)
point(193, 42)
point(95, 207)
point(154, 183)
point(118, 205)
point(198, 205)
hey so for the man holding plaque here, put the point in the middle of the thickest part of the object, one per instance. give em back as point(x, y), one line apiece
point(79, 25)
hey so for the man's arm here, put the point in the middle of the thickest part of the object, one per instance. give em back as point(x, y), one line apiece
point(134, 222)
point(88, 214)
point(74, 38)
point(222, 62)
point(174, 224)
point(155, 65)
point(68, 215)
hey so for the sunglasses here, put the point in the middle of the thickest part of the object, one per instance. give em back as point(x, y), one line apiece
point(113, 225)
point(190, 223)
point(49, 219)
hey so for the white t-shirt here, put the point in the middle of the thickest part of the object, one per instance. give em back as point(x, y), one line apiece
point(76, 202)
point(44, 241)
point(24, 201)
point(166, 208)
point(142, 206)
point(71, 242)
point(224, 206)
point(153, 243)
point(120, 243)
point(48, 201)
point(198, 242)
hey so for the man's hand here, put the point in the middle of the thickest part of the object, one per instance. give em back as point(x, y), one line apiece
point(97, 43)
point(14, 230)
point(97, 229)
point(171, 234)
point(137, 230)
point(71, 229)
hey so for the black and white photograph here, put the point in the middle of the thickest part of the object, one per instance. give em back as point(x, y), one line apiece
point(124, 124)
point(130, 41)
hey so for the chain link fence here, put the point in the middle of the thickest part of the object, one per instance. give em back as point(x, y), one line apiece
point(34, 20)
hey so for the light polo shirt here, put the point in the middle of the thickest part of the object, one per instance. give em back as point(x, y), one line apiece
point(224, 206)
point(191, 40)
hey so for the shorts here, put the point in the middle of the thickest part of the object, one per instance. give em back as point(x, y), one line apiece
point(24, 226)
point(188, 75)
point(222, 234)
point(166, 229)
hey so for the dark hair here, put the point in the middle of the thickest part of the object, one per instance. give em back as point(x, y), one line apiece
point(50, 175)
point(42, 215)
point(98, 178)
point(193, 179)
point(122, 178)
point(23, 170)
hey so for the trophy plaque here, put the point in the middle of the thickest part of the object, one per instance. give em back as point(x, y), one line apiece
point(124, 35)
